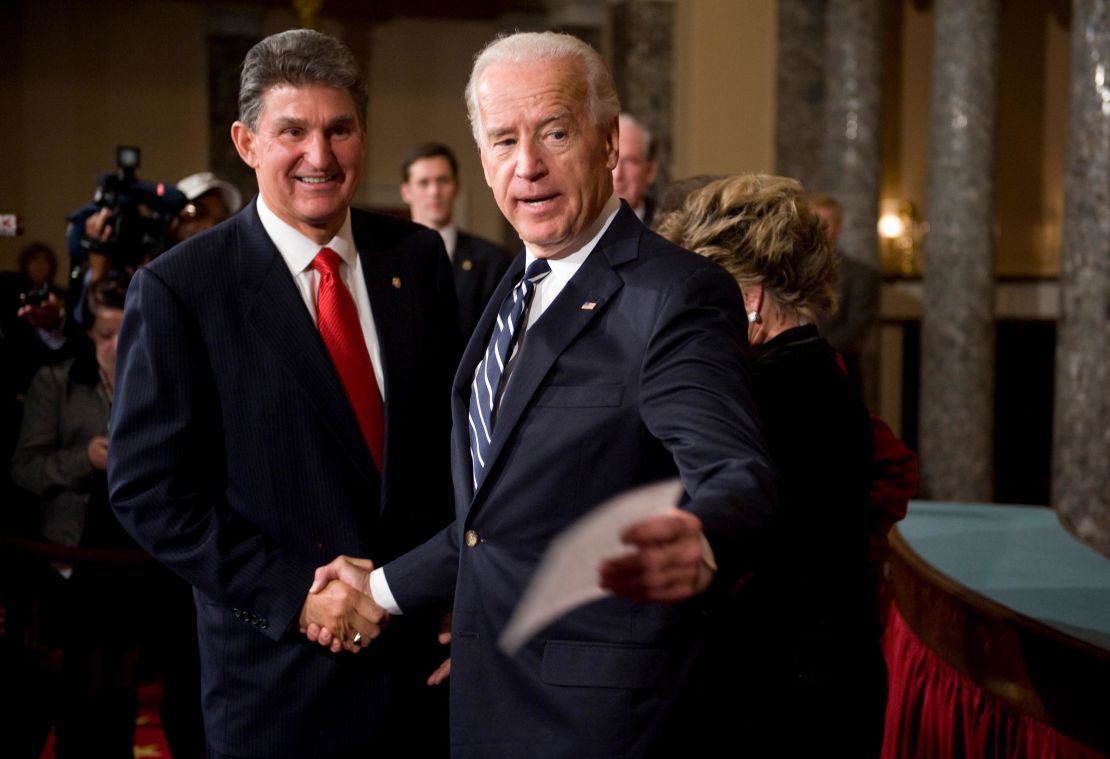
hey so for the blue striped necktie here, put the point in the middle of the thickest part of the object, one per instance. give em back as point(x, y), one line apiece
point(491, 369)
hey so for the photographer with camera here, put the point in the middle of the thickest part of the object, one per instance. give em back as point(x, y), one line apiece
point(126, 226)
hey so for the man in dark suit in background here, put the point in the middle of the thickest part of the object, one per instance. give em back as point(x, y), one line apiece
point(627, 367)
point(283, 398)
point(430, 186)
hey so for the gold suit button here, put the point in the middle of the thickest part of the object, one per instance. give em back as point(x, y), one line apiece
point(471, 538)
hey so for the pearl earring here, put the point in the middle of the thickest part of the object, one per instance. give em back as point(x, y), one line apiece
point(754, 317)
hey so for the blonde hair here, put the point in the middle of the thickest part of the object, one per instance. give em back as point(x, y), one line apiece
point(762, 230)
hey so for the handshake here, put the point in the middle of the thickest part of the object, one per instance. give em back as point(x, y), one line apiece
point(340, 612)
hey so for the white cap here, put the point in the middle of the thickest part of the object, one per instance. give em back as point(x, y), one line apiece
point(196, 185)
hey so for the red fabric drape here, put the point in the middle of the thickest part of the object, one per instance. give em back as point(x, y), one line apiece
point(935, 712)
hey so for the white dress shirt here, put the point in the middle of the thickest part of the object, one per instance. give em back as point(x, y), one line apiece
point(298, 253)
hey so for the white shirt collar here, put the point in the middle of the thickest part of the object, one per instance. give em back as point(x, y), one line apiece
point(450, 235)
point(563, 268)
point(298, 250)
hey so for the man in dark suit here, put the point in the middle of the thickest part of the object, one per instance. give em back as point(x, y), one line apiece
point(283, 398)
point(628, 366)
point(430, 175)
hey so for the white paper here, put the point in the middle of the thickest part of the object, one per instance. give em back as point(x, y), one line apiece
point(567, 575)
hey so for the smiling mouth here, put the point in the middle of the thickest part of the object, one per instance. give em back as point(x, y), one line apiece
point(318, 180)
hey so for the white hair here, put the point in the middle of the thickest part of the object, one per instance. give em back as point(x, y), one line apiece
point(528, 47)
point(628, 120)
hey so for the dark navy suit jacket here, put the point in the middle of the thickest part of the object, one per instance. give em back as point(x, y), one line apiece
point(236, 460)
point(636, 372)
point(478, 265)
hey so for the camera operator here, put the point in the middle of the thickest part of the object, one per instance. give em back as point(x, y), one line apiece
point(125, 226)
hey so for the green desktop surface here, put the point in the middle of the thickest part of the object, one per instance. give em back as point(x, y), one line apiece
point(1020, 557)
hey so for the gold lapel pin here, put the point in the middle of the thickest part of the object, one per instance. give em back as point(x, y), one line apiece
point(589, 305)
point(397, 282)
point(467, 265)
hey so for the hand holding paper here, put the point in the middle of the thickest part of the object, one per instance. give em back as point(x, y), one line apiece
point(636, 544)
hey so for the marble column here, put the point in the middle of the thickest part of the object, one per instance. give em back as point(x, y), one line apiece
point(801, 91)
point(1081, 450)
point(852, 148)
point(642, 63)
point(957, 364)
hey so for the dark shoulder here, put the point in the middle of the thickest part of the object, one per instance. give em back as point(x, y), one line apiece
point(208, 252)
point(480, 247)
point(392, 231)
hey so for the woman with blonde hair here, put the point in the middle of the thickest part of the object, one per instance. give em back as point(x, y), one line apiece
point(813, 676)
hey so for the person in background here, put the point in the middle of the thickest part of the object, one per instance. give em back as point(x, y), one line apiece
point(61, 458)
point(211, 200)
point(636, 168)
point(430, 185)
point(851, 326)
point(815, 675)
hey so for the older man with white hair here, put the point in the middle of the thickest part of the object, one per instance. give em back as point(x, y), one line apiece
point(608, 358)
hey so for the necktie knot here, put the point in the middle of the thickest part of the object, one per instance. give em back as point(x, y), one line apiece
point(537, 270)
point(327, 262)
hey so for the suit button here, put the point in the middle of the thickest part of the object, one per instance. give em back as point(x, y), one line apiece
point(471, 538)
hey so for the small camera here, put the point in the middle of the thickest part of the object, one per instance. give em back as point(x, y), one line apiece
point(35, 297)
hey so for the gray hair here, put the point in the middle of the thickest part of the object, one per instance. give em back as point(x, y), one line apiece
point(628, 120)
point(298, 57)
point(528, 47)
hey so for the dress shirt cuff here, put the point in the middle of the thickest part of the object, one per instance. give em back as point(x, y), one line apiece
point(383, 596)
point(707, 556)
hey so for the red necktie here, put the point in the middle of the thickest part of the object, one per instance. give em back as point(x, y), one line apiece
point(337, 320)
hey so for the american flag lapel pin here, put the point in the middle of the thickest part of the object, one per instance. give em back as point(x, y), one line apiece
point(589, 305)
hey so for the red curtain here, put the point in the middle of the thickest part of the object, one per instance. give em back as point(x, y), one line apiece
point(936, 712)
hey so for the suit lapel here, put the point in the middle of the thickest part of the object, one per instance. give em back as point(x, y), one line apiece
point(274, 308)
point(595, 282)
point(392, 306)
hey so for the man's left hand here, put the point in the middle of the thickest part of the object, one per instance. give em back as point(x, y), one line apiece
point(668, 565)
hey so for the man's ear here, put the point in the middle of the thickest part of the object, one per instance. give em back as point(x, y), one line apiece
point(244, 140)
point(405, 194)
point(612, 138)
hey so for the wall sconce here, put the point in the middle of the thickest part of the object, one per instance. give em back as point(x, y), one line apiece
point(900, 233)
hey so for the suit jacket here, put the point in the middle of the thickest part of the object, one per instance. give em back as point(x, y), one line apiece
point(478, 265)
point(236, 460)
point(636, 372)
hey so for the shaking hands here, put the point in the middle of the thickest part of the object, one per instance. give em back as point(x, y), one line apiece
point(339, 612)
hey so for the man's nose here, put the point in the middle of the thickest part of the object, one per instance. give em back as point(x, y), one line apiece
point(318, 150)
point(530, 162)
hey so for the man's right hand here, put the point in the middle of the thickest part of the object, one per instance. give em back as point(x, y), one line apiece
point(334, 613)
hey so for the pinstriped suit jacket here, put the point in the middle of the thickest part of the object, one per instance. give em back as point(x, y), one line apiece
point(236, 460)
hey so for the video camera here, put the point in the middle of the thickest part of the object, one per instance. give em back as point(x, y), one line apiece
point(141, 215)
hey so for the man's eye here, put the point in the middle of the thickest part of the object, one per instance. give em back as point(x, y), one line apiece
point(293, 132)
point(558, 134)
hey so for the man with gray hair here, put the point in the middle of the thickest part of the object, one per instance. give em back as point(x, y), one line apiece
point(636, 168)
point(282, 399)
point(608, 358)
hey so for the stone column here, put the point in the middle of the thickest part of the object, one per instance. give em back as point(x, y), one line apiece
point(1081, 451)
point(801, 91)
point(643, 62)
point(957, 374)
point(853, 148)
